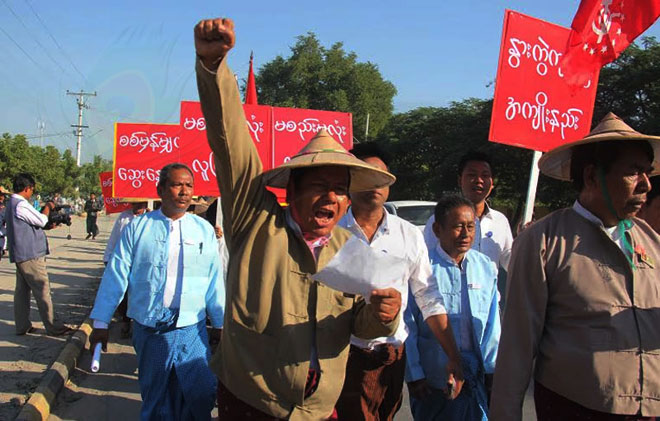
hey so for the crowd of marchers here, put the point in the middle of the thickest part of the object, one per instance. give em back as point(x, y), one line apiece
point(577, 314)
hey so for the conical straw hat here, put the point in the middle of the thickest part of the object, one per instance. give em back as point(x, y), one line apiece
point(557, 162)
point(323, 151)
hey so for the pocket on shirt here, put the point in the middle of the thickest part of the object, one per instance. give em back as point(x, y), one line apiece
point(452, 301)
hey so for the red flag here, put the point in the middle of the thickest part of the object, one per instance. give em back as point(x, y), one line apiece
point(601, 30)
point(251, 88)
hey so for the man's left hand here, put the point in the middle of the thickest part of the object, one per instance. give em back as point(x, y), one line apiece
point(387, 303)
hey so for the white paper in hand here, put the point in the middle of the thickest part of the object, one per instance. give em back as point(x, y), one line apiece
point(359, 269)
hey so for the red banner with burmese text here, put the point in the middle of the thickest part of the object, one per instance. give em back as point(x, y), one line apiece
point(141, 150)
point(534, 107)
point(293, 128)
point(112, 204)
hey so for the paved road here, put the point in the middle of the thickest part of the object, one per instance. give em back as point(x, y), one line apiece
point(109, 395)
point(74, 267)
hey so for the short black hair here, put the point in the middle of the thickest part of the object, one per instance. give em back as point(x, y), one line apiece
point(655, 189)
point(371, 150)
point(602, 155)
point(22, 181)
point(164, 174)
point(449, 202)
point(475, 156)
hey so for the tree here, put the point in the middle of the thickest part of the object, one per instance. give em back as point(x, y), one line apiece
point(427, 143)
point(630, 87)
point(54, 172)
point(89, 177)
point(330, 79)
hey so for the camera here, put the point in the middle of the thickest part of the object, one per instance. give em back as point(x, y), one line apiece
point(60, 214)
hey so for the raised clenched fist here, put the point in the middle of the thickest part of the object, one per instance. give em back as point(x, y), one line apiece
point(213, 39)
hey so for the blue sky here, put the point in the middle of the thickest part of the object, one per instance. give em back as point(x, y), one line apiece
point(139, 55)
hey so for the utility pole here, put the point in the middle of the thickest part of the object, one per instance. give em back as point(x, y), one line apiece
point(79, 127)
point(41, 126)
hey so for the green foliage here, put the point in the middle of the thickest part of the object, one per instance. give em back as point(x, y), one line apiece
point(427, 143)
point(630, 87)
point(88, 181)
point(54, 172)
point(330, 79)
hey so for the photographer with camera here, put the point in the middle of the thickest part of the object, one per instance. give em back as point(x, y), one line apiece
point(28, 248)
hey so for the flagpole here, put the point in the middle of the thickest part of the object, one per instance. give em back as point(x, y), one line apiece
point(531, 188)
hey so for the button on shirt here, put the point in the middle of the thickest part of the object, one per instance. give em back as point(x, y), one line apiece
point(466, 341)
point(174, 282)
point(400, 238)
point(493, 236)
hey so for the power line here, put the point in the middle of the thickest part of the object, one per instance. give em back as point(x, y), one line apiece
point(19, 47)
point(35, 136)
point(43, 24)
point(18, 18)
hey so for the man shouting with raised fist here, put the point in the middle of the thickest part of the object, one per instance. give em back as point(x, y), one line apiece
point(286, 337)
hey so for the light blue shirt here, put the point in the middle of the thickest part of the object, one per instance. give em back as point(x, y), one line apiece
point(424, 355)
point(139, 264)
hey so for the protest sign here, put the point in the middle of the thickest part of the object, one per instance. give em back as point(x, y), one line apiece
point(278, 133)
point(196, 153)
point(293, 128)
point(141, 150)
point(534, 107)
point(112, 204)
point(195, 150)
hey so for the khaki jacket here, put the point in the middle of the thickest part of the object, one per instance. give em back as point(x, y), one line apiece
point(274, 311)
point(592, 323)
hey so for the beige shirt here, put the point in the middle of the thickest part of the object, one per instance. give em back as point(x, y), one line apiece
point(274, 310)
point(589, 322)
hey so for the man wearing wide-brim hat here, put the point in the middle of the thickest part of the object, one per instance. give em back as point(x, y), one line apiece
point(583, 300)
point(286, 337)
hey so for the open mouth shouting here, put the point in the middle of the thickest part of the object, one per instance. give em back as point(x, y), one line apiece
point(324, 216)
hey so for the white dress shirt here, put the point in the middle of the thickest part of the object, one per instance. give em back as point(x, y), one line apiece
point(399, 238)
point(122, 220)
point(174, 281)
point(3, 229)
point(26, 212)
point(492, 237)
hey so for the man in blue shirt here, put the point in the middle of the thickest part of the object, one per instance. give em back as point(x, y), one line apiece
point(467, 280)
point(168, 260)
